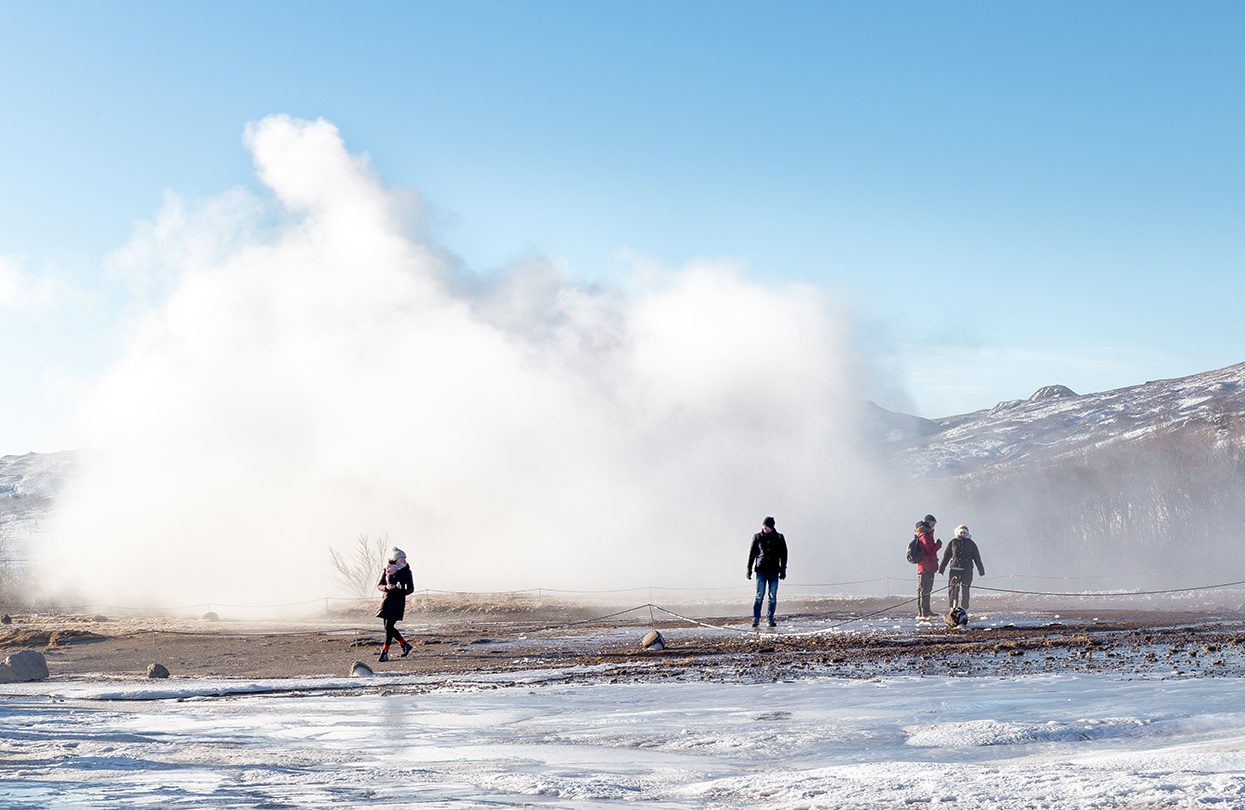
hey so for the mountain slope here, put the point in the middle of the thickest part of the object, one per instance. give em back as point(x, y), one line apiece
point(1057, 426)
point(29, 485)
point(1147, 481)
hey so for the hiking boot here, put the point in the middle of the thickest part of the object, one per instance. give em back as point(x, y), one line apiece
point(384, 655)
point(756, 622)
point(773, 623)
point(406, 649)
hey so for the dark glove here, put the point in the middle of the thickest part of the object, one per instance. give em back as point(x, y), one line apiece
point(782, 574)
point(749, 574)
point(937, 544)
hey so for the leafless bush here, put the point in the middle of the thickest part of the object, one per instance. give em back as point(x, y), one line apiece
point(359, 568)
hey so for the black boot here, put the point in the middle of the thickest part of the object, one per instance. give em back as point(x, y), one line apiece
point(406, 649)
point(384, 655)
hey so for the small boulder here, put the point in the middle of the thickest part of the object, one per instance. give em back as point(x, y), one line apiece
point(157, 671)
point(653, 641)
point(210, 617)
point(6, 619)
point(99, 619)
point(23, 666)
point(360, 670)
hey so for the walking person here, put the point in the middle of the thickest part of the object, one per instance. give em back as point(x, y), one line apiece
point(928, 566)
point(961, 556)
point(768, 558)
point(395, 583)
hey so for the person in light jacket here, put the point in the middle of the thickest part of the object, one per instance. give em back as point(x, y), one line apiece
point(961, 556)
point(395, 583)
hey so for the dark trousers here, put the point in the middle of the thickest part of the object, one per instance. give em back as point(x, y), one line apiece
point(924, 587)
point(958, 585)
point(391, 632)
point(765, 582)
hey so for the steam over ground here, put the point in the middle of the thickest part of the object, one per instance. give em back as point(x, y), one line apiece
point(308, 371)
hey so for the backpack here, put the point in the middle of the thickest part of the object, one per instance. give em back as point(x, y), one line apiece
point(956, 617)
point(914, 551)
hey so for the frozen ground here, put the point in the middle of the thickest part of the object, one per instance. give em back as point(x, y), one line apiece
point(539, 739)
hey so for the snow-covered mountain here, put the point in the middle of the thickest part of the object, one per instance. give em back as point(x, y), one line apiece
point(29, 485)
point(1147, 478)
point(1056, 425)
point(34, 475)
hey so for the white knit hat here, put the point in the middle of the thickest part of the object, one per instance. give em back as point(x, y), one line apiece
point(398, 554)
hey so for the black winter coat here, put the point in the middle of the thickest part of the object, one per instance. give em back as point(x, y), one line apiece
point(768, 554)
point(961, 555)
point(393, 606)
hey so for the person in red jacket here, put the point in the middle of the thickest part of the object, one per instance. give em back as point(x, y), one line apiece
point(927, 567)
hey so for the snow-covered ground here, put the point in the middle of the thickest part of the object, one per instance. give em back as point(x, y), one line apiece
point(537, 739)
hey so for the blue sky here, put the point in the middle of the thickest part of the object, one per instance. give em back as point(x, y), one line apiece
point(1003, 195)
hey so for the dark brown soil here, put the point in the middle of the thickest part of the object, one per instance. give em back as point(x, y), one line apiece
point(512, 641)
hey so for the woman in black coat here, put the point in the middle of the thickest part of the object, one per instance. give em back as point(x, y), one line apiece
point(395, 583)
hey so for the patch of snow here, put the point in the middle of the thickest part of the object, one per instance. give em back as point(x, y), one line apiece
point(1052, 741)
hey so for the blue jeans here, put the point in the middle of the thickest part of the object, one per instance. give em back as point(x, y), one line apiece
point(765, 581)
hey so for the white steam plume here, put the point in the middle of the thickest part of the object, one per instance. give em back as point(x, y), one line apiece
point(311, 372)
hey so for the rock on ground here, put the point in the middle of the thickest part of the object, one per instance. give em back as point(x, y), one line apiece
point(22, 666)
point(360, 670)
point(157, 671)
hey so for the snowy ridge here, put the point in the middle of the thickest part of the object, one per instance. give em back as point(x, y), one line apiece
point(1057, 425)
point(34, 475)
point(29, 485)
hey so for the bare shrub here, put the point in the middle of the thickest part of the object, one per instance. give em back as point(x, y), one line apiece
point(359, 568)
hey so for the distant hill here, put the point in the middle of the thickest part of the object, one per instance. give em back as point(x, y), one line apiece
point(1055, 425)
point(29, 485)
point(1149, 476)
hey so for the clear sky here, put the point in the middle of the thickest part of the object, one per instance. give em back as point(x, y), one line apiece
point(1003, 195)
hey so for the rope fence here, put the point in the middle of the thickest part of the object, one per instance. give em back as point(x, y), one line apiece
point(851, 619)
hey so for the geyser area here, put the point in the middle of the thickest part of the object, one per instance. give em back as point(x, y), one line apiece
point(303, 370)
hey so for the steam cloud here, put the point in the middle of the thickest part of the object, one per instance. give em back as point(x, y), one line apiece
point(309, 371)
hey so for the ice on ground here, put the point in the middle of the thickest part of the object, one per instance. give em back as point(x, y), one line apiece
point(1048, 741)
point(996, 732)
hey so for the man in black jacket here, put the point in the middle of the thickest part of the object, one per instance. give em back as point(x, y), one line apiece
point(768, 557)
